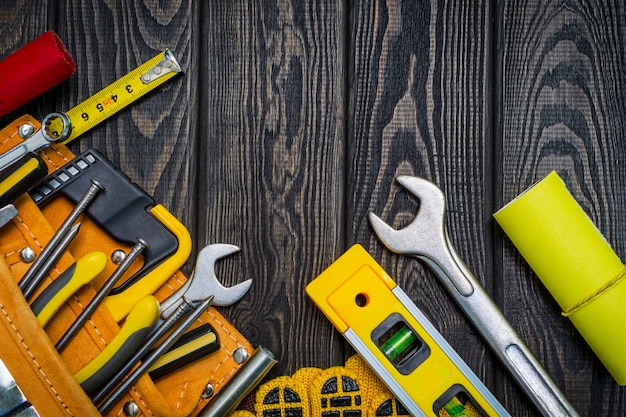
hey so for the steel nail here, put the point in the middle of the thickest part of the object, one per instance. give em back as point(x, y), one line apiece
point(101, 294)
point(28, 284)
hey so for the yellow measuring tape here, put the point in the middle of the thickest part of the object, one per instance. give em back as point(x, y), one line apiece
point(113, 98)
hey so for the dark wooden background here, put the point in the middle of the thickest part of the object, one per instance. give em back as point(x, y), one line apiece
point(293, 118)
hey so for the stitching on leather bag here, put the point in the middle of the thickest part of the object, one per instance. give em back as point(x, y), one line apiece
point(60, 153)
point(30, 232)
point(228, 332)
point(90, 321)
point(182, 394)
point(33, 359)
point(9, 137)
point(142, 400)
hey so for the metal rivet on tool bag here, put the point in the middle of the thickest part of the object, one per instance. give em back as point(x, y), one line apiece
point(240, 355)
point(208, 392)
point(118, 256)
point(27, 255)
point(131, 409)
point(26, 130)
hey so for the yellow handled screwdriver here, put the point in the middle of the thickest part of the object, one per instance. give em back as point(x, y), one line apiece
point(16, 180)
point(191, 346)
point(19, 177)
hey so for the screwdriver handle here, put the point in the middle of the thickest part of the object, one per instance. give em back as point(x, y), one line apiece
point(138, 324)
point(191, 346)
point(20, 177)
point(65, 285)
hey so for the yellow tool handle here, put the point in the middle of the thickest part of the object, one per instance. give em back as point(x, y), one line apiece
point(113, 98)
point(120, 304)
point(65, 285)
point(19, 177)
point(192, 346)
point(132, 334)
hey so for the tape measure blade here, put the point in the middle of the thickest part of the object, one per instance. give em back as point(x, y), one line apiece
point(124, 91)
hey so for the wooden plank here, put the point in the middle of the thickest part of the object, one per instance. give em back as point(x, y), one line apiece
point(420, 105)
point(562, 107)
point(152, 140)
point(270, 165)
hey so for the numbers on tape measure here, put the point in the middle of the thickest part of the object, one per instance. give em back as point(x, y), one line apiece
point(122, 92)
point(105, 103)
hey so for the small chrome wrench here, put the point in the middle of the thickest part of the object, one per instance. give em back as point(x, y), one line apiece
point(426, 238)
point(202, 286)
point(203, 282)
point(40, 139)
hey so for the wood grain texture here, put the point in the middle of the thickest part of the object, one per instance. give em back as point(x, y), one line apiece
point(562, 108)
point(293, 118)
point(419, 103)
point(151, 141)
point(272, 132)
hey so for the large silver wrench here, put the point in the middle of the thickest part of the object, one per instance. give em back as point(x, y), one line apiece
point(426, 238)
point(40, 139)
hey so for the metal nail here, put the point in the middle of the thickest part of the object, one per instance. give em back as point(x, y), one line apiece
point(102, 293)
point(28, 284)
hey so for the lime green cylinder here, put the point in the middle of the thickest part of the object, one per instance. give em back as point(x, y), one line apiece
point(575, 263)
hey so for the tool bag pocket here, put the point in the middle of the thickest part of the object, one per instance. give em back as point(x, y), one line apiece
point(47, 377)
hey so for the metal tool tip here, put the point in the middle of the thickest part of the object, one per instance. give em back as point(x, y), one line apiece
point(379, 226)
point(232, 294)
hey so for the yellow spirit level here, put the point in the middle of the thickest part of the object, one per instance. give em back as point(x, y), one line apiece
point(396, 339)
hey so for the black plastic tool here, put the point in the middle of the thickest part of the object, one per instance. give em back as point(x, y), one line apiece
point(122, 209)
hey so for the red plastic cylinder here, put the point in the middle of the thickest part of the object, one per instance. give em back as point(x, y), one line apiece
point(33, 69)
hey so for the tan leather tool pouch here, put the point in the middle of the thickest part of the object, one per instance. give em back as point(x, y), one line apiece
point(27, 349)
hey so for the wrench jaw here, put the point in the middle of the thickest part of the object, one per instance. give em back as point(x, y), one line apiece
point(424, 237)
point(203, 282)
point(210, 254)
point(205, 264)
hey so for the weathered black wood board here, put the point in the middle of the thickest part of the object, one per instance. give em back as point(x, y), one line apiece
point(293, 118)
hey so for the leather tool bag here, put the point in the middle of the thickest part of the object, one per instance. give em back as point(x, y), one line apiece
point(45, 376)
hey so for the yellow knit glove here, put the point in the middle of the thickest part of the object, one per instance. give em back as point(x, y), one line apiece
point(352, 390)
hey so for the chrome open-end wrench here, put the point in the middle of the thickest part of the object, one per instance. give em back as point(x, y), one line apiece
point(426, 238)
point(40, 139)
point(203, 282)
point(196, 295)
